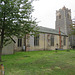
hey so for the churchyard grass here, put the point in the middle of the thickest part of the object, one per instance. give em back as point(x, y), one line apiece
point(40, 63)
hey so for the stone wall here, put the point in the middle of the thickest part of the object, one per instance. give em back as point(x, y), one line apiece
point(9, 49)
point(43, 42)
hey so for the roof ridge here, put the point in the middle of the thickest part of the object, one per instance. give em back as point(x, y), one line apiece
point(49, 30)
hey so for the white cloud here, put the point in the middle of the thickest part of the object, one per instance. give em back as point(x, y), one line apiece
point(45, 10)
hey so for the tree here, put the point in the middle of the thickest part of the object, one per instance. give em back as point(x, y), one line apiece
point(72, 29)
point(15, 20)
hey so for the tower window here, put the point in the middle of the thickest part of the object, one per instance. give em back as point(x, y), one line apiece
point(59, 16)
point(67, 15)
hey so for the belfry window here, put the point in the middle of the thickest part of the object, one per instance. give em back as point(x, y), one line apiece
point(67, 15)
point(59, 16)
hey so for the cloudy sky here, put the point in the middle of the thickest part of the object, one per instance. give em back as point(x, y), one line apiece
point(45, 11)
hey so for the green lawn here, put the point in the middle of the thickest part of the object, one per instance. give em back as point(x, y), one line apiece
point(40, 63)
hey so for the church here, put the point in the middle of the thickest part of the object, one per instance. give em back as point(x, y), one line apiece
point(47, 38)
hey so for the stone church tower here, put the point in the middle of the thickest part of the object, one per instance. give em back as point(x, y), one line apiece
point(63, 20)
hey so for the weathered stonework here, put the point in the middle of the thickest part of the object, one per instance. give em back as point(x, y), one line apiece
point(64, 22)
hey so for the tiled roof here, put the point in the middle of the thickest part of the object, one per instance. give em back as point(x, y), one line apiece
point(49, 30)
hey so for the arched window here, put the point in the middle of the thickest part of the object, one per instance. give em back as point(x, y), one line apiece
point(36, 40)
point(19, 42)
point(64, 40)
point(52, 40)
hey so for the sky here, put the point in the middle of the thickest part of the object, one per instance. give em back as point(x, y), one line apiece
point(45, 11)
